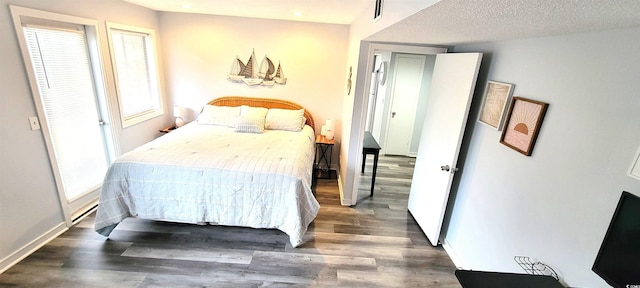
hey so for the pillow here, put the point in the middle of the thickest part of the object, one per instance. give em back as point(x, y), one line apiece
point(250, 125)
point(219, 115)
point(285, 119)
point(253, 112)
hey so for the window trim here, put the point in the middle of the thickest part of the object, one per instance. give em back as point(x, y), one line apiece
point(158, 109)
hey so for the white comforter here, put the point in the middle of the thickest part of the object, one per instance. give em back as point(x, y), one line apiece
point(210, 174)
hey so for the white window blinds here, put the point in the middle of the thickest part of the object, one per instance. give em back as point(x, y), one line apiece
point(62, 67)
point(136, 75)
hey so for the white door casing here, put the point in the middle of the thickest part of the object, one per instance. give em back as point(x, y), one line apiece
point(453, 84)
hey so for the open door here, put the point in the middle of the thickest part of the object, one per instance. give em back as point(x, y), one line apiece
point(454, 80)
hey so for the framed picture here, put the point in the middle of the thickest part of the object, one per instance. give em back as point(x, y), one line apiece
point(523, 124)
point(494, 103)
point(635, 167)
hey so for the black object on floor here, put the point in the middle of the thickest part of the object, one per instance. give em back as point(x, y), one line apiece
point(483, 279)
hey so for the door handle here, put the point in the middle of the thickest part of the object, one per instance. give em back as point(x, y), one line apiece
point(393, 114)
point(448, 168)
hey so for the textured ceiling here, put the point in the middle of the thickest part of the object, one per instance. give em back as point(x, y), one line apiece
point(450, 22)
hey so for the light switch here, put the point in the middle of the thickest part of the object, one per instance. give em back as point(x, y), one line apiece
point(35, 125)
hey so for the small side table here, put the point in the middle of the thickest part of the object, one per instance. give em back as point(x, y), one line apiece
point(324, 149)
point(168, 129)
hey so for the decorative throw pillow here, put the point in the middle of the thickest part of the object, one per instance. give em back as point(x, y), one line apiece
point(284, 119)
point(219, 115)
point(250, 125)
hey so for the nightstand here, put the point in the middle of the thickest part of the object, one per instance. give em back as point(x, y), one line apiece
point(324, 149)
point(168, 129)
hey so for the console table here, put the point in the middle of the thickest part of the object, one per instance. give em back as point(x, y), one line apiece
point(370, 146)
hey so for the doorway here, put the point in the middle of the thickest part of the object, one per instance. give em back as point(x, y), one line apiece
point(355, 139)
point(63, 64)
point(454, 77)
point(396, 109)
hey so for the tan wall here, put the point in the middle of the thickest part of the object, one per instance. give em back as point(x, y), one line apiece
point(199, 50)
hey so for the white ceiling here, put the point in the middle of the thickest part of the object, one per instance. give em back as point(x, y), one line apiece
point(322, 11)
point(447, 22)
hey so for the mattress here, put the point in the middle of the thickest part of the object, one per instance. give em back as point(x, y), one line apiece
point(210, 174)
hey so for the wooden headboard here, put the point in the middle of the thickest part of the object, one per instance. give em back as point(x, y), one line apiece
point(262, 102)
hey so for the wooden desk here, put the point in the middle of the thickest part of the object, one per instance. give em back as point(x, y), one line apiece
point(370, 146)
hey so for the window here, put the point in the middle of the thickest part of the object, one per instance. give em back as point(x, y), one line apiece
point(134, 61)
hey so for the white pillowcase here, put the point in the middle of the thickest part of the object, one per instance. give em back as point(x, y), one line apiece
point(285, 119)
point(219, 115)
point(253, 112)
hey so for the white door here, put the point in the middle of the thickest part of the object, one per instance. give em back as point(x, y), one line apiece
point(454, 79)
point(58, 58)
point(407, 80)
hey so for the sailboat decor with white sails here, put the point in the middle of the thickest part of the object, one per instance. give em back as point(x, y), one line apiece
point(265, 75)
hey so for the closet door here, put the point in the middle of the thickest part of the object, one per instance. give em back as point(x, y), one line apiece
point(407, 81)
point(454, 80)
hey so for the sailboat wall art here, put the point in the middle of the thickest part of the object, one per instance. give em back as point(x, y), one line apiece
point(252, 74)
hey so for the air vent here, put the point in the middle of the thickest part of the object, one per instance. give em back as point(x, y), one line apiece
point(378, 11)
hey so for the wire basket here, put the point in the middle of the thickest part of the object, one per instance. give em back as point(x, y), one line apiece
point(535, 268)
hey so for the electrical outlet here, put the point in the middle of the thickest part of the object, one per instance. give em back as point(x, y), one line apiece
point(33, 121)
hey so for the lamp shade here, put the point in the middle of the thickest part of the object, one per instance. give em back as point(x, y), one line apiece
point(330, 128)
point(179, 112)
point(330, 123)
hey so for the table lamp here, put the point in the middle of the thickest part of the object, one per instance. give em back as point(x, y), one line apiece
point(179, 113)
point(330, 126)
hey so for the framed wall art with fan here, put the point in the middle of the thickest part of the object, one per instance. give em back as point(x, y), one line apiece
point(523, 124)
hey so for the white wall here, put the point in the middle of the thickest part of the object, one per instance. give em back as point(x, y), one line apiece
point(199, 50)
point(29, 204)
point(554, 206)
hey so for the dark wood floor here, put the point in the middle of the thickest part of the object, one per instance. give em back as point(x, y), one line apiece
point(373, 244)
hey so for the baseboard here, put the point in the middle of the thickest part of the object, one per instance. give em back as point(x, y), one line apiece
point(31, 247)
point(343, 201)
point(457, 261)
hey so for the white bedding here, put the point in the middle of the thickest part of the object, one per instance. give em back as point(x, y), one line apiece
point(210, 174)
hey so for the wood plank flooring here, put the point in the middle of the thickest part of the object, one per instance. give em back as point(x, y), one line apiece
point(376, 243)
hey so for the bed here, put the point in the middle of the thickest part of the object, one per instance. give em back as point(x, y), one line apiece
point(223, 169)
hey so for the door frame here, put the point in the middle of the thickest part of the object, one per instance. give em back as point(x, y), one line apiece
point(365, 64)
point(71, 208)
